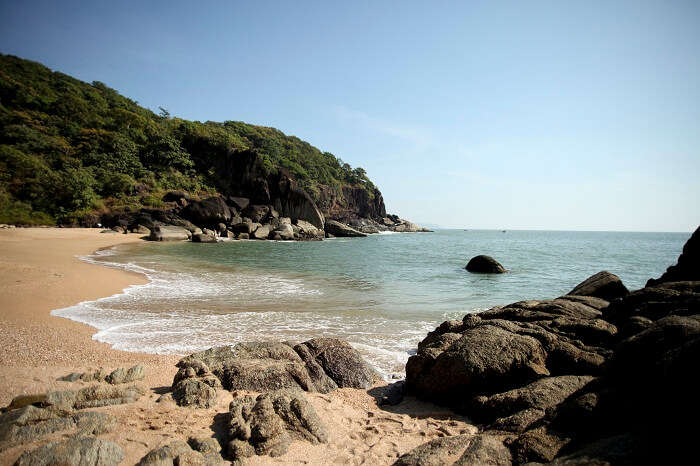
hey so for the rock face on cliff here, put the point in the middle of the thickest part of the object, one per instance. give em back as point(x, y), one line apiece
point(573, 380)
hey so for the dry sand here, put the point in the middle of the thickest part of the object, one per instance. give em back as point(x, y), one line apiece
point(40, 271)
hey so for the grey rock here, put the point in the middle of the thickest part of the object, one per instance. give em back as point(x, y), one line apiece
point(121, 375)
point(169, 233)
point(257, 213)
point(76, 451)
point(204, 238)
point(285, 231)
point(262, 232)
point(340, 361)
point(94, 396)
point(486, 449)
point(308, 230)
point(200, 452)
point(341, 230)
point(484, 264)
point(239, 203)
point(210, 211)
point(604, 285)
point(437, 452)
point(194, 385)
point(268, 424)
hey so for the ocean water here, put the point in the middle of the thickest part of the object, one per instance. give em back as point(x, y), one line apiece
point(382, 293)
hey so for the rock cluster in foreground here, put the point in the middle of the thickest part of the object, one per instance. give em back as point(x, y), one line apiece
point(318, 365)
point(599, 376)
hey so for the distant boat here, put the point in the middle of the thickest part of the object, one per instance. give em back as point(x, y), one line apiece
point(503, 231)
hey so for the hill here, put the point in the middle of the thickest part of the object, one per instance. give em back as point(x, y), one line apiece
point(73, 152)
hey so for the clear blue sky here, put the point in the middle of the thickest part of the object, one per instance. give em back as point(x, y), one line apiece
point(543, 115)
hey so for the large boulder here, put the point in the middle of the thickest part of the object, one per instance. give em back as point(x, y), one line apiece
point(437, 452)
point(484, 358)
point(318, 365)
point(295, 203)
point(603, 285)
point(341, 230)
point(688, 266)
point(306, 230)
point(30, 423)
point(201, 452)
point(285, 231)
point(269, 423)
point(169, 233)
point(262, 232)
point(117, 376)
point(257, 213)
point(77, 451)
point(239, 203)
point(484, 264)
point(204, 238)
point(209, 211)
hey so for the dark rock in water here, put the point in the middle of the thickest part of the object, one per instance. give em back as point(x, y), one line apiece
point(688, 266)
point(268, 424)
point(202, 452)
point(437, 452)
point(203, 238)
point(484, 264)
point(341, 230)
point(603, 285)
point(210, 211)
point(169, 233)
point(319, 365)
point(30, 423)
point(78, 451)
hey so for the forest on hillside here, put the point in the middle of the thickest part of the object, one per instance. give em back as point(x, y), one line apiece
point(69, 149)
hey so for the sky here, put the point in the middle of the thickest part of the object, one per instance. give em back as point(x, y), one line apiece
point(580, 115)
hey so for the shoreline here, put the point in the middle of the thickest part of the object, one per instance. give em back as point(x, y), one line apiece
point(42, 272)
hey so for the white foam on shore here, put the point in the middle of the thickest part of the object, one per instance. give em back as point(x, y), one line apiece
point(185, 312)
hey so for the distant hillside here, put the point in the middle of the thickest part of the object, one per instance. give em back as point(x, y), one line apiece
point(70, 150)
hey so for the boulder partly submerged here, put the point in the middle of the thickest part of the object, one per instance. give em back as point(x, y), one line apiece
point(484, 264)
point(342, 230)
point(317, 365)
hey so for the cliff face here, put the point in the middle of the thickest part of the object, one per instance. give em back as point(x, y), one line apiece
point(352, 203)
point(243, 174)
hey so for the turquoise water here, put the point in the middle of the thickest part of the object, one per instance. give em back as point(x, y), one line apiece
point(382, 293)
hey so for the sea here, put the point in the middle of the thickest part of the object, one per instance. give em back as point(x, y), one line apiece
point(382, 293)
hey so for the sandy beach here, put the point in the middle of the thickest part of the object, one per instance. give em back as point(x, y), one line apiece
point(41, 272)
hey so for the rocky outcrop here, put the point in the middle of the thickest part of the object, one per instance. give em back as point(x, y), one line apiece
point(573, 380)
point(268, 424)
point(688, 266)
point(204, 238)
point(437, 452)
point(603, 285)
point(201, 452)
point(295, 203)
point(169, 233)
point(341, 230)
point(30, 423)
point(208, 212)
point(74, 451)
point(484, 264)
point(117, 376)
point(318, 365)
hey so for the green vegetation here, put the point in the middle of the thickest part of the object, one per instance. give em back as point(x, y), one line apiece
point(70, 150)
